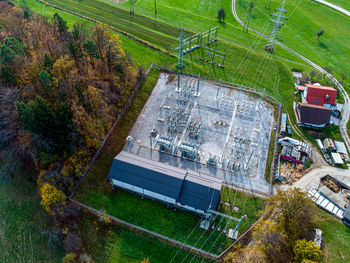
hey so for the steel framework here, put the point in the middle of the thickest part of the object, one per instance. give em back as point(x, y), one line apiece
point(279, 20)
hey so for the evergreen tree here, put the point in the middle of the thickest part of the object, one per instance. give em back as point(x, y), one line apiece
point(221, 14)
point(90, 48)
point(48, 61)
point(60, 23)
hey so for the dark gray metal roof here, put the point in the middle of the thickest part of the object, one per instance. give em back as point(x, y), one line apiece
point(186, 187)
point(314, 114)
point(146, 174)
point(197, 191)
point(346, 215)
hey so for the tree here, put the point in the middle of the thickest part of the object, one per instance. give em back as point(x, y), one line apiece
point(7, 75)
point(10, 50)
point(26, 13)
point(45, 79)
point(306, 250)
point(53, 124)
point(48, 61)
point(271, 238)
point(313, 74)
point(293, 211)
point(50, 196)
point(221, 14)
point(60, 24)
point(90, 48)
point(319, 34)
point(75, 50)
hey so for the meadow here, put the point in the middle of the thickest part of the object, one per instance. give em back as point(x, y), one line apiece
point(24, 224)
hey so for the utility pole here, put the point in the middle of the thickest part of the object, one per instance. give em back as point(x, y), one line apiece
point(279, 20)
point(155, 7)
point(180, 59)
point(268, 7)
point(246, 24)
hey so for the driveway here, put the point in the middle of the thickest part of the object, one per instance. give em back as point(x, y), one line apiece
point(312, 178)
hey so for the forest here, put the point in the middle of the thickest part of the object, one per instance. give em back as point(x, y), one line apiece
point(60, 92)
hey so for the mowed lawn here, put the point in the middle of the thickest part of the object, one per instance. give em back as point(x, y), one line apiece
point(23, 224)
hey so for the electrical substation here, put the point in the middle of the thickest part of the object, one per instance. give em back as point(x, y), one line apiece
point(201, 126)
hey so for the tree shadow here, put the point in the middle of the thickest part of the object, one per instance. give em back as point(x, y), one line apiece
point(322, 45)
point(222, 23)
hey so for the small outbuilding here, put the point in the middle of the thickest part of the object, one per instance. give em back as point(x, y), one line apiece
point(337, 158)
point(340, 147)
point(328, 144)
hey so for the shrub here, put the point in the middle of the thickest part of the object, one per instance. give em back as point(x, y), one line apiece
point(70, 258)
point(72, 243)
point(85, 258)
point(64, 214)
point(50, 196)
point(306, 250)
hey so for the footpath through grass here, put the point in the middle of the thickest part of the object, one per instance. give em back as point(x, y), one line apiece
point(97, 193)
point(23, 223)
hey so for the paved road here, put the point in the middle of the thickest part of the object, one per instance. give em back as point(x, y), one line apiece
point(312, 178)
point(338, 8)
point(345, 114)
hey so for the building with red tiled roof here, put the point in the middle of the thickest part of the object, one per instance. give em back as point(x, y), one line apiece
point(314, 116)
point(320, 95)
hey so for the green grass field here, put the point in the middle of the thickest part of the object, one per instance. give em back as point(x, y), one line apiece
point(114, 244)
point(22, 223)
point(300, 30)
point(336, 238)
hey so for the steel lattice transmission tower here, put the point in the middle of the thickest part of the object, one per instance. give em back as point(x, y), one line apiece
point(279, 20)
point(180, 59)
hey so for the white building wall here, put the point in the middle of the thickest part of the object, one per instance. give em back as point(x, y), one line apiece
point(143, 191)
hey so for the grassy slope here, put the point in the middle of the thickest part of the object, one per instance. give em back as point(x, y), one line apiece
point(300, 32)
point(336, 238)
point(22, 223)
